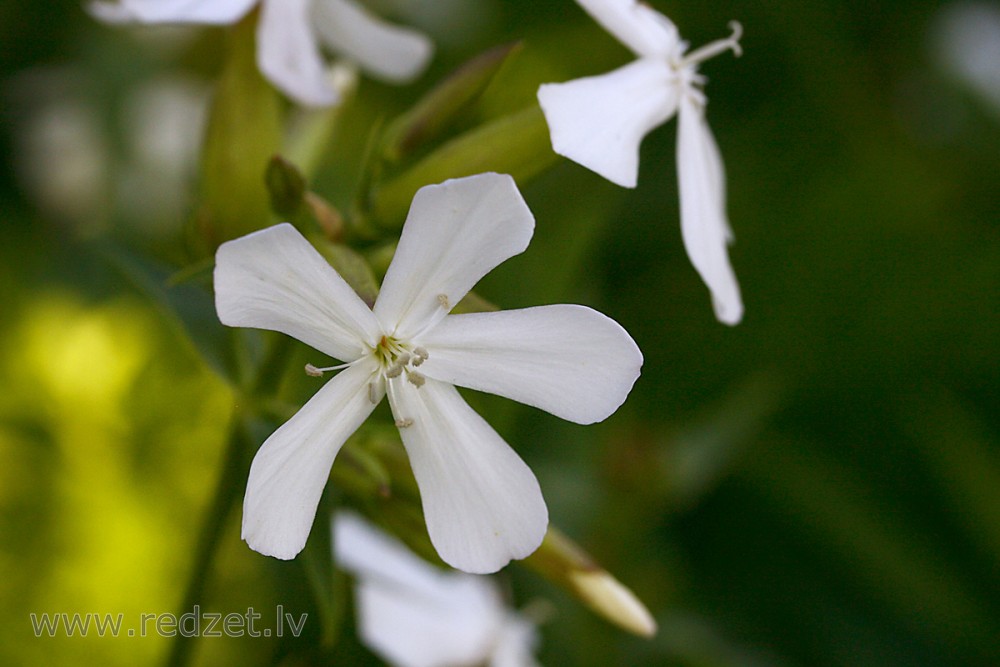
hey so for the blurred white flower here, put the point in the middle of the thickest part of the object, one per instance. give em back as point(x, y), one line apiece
point(164, 122)
point(64, 160)
point(290, 35)
point(966, 39)
point(412, 614)
point(600, 121)
point(482, 503)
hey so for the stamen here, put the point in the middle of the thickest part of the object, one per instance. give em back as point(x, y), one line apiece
point(421, 356)
point(394, 371)
point(315, 372)
point(443, 300)
point(416, 379)
point(372, 394)
point(404, 423)
point(712, 49)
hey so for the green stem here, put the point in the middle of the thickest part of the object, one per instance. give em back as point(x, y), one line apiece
point(227, 491)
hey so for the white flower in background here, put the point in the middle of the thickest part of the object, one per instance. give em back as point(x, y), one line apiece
point(966, 41)
point(412, 614)
point(290, 35)
point(600, 121)
point(482, 503)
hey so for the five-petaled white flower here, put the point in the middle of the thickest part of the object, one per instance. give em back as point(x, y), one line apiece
point(289, 36)
point(600, 121)
point(413, 614)
point(482, 503)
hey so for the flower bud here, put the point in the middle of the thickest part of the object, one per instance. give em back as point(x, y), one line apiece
point(563, 562)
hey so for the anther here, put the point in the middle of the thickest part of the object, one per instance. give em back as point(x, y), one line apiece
point(712, 49)
point(372, 394)
point(443, 300)
point(734, 38)
point(416, 379)
point(315, 372)
point(394, 371)
point(404, 423)
point(421, 356)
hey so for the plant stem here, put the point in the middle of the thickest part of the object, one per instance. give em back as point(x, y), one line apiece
point(226, 493)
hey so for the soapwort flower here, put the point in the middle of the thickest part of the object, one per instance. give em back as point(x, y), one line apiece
point(413, 614)
point(600, 121)
point(482, 503)
point(290, 36)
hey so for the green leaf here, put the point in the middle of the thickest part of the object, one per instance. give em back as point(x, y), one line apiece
point(189, 306)
point(328, 584)
point(352, 267)
point(244, 131)
point(517, 144)
point(443, 103)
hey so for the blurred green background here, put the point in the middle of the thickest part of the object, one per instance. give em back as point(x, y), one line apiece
point(817, 486)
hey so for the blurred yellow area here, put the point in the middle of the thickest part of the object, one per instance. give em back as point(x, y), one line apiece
point(110, 479)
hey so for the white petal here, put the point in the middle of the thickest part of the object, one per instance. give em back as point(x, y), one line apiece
point(704, 226)
point(599, 121)
point(369, 553)
point(290, 469)
point(482, 503)
point(288, 55)
point(383, 50)
point(636, 25)
point(569, 360)
point(455, 233)
point(215, 12)
point(274, 279)
point(410, 612)
point(516, 644)
point(410, 632)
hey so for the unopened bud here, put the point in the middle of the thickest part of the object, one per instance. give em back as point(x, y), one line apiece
point(610, 598)
point(286, 185)
point(563, 562)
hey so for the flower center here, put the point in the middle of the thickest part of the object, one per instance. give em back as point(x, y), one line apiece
point(396, 357)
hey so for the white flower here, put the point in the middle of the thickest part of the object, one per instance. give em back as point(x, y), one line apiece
point(482, 503)
point(415, 615)
point(290, 35)
point(600, 121)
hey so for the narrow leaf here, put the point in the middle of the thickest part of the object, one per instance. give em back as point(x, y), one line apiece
point(517, 144)
point(189, 306)
point(443, 103)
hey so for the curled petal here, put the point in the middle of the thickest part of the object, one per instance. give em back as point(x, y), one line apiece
point(599, 121)
point(410, 612)
point(383, 50)
point(645, 31)
point(482, 503)
point(455, 234)
point(704, 226)
point(568, 360)
point(215, 12)
point(288, 55)
point(290, 469)
point(274, 279)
